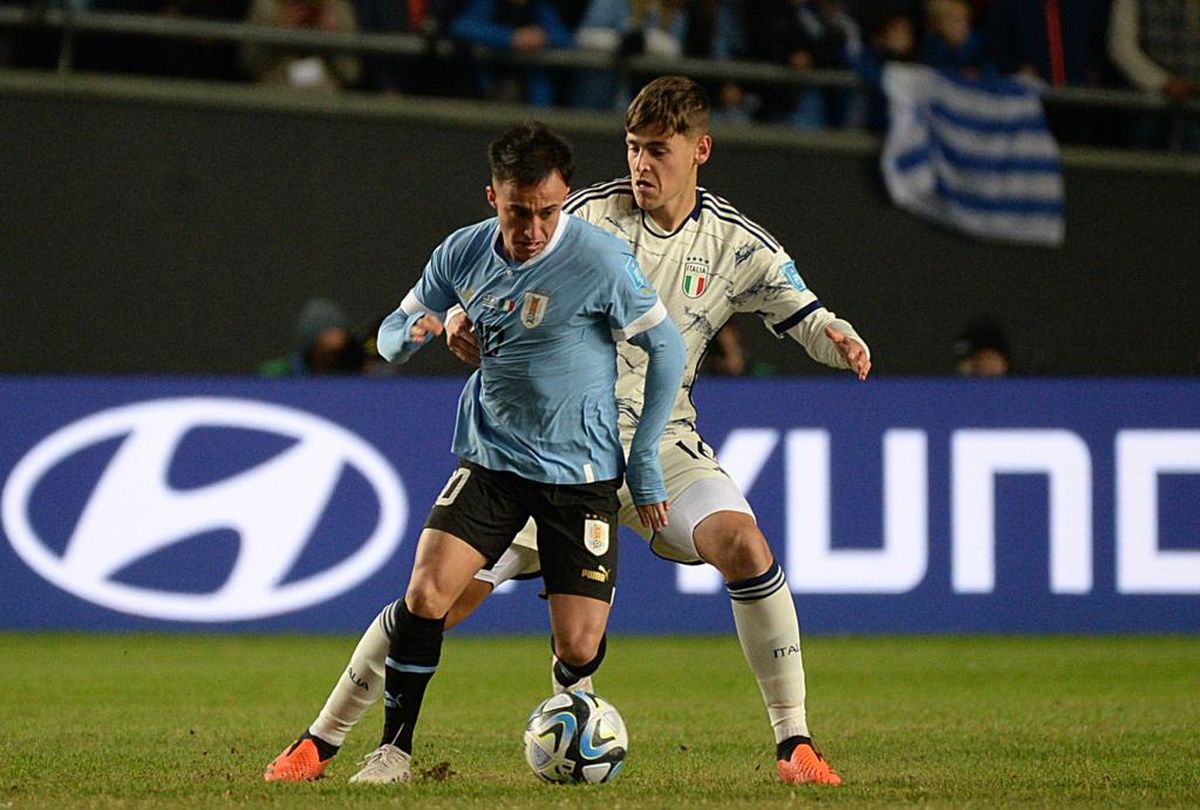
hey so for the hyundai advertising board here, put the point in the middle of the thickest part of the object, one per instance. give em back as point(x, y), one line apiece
point(895, 506)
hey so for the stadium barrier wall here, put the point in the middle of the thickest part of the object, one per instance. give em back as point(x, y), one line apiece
point(155, 226)
point(1014, 506)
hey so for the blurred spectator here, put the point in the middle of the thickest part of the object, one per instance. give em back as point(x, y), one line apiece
point(1059, 41)
point(805, 34)
point(625, 27)
point(326, 70)
point(891, 37)
point(428, 74)
point(571, 12)
point(950, 44)
point(732, 104)
point(524, 26)
point(982, 350)
point(715, 31)
point(1155, 44)
point(324, 343)
point(981, 8)
point(871, 11)
point(184, 57)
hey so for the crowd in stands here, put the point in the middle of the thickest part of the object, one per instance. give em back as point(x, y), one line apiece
point(1149, 45)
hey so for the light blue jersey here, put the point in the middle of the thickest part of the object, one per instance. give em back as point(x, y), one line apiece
point(542, 405)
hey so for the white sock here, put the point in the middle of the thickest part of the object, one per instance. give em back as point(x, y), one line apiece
point(767, 627)
point(360, 685)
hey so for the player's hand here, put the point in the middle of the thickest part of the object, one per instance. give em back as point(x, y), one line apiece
point(654, 515)
point(460, 338)
point(853, 351)
point(427, 326)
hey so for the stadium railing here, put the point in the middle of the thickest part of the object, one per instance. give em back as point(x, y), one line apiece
point(72, 23)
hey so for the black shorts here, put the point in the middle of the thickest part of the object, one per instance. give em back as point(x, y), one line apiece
point(576, 524)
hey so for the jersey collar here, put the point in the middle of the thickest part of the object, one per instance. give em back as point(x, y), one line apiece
point(694, 216)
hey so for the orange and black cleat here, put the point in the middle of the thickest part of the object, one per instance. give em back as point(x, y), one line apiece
point(806, 766)
point(299, 762)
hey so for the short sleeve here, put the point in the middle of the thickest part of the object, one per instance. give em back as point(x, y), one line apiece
point(634, 306)
point(777, 292)
point(435, 290)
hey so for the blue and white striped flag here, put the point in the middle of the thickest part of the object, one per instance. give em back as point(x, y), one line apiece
point(973, 154)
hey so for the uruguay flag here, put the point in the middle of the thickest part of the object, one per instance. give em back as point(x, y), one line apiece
point(972, 154)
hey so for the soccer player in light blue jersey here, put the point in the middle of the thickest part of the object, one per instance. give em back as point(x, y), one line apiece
point(707, 262)
point(537, 437)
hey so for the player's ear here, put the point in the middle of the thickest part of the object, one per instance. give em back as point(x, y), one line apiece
point(703, 149)
point(490, 193)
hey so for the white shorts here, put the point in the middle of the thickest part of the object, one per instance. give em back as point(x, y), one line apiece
point(696, 488)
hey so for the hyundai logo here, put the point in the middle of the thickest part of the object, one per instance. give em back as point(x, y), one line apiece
point(274, 506)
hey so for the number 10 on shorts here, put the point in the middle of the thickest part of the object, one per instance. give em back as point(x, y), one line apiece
point(458, 480)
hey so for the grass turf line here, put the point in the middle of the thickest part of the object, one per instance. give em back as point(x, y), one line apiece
point(177, 720)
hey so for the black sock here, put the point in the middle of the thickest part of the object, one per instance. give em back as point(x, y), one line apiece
point(416, 647)
point(566, 674)
point(784, 749)
point(324, 750)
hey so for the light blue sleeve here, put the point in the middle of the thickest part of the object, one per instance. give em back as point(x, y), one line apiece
point(434, 294)
point(643, 472)
point(632, 297)
point(636, 315)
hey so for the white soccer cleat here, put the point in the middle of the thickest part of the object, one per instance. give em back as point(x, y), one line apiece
point(583, 684)
point(386, 765)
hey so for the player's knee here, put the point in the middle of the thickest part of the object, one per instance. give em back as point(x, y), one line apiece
point(424, 599)
point(577, 646)
point(738, 551)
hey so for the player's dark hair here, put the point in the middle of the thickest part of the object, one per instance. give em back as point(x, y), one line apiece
point(528, 153)
point(674, 104)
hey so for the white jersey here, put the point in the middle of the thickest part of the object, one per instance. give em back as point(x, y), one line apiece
point(716, 264)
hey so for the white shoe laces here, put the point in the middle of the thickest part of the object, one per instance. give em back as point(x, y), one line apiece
point(385, 756)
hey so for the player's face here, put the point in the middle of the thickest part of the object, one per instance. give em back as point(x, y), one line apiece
point(663, 168)
point(528, 214)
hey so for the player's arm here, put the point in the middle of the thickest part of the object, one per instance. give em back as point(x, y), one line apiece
point(409, 327)
point(665, 348)
point(638, 316)
point(418, 319)
point(788, 307)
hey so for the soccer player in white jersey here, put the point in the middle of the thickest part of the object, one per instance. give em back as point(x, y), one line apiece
point(537, 437)
point(708, 261)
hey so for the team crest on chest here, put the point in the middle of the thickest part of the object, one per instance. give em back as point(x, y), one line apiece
point(695, 276)
point(534, 309)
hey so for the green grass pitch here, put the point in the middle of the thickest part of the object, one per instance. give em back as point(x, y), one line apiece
point(191, 720)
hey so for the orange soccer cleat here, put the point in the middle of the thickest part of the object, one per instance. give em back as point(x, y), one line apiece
point(299, 762)
point(807, 767)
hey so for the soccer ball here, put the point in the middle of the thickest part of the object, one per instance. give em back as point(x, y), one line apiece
point(576, 737)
